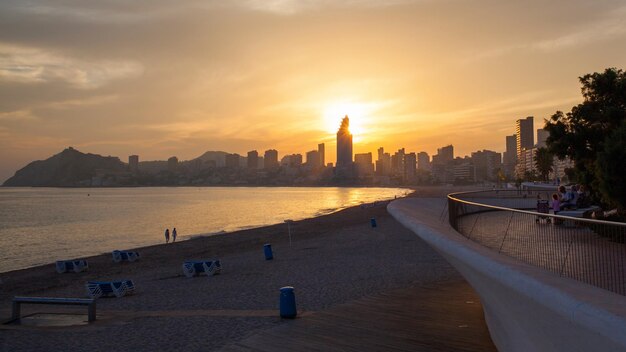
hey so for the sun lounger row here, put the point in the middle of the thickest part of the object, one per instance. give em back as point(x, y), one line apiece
point(125, 256)
point(75, 265)
point(193, 268)
point(97, 289)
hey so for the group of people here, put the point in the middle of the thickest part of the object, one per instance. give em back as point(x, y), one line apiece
point(568, 199)
point(167, 235)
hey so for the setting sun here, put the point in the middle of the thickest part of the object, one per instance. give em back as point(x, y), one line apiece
point(359, 114)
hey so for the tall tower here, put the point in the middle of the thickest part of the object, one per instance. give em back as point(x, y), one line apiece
point(525, 135)
point(344, 145)
point(321, 149)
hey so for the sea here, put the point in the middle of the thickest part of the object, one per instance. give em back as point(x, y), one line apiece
point(41, 225)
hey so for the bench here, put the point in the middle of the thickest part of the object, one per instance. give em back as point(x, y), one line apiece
point(577, 213)
point(90, 303)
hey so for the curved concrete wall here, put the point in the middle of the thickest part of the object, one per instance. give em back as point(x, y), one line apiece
point(526, 308)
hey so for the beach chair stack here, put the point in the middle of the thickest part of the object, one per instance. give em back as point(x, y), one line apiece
point(193, 268)
point(75, 265)
point(125, 256)
point(97, 289)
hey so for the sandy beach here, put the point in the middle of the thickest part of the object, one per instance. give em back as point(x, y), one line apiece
point(333, 259)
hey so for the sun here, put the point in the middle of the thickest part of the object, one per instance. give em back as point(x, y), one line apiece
point(359, 114)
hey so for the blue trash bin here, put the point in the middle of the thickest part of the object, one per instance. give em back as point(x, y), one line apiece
point(287, 303)
point(373, 222)
point(267, 249)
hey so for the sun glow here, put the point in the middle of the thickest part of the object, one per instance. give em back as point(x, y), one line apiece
point(359, 114)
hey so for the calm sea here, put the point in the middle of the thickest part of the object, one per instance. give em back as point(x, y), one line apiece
point(41, 225)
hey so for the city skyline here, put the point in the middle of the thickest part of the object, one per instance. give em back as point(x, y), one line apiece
point(157, 79)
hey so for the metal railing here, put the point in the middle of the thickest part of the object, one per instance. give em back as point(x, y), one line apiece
point(587, 250)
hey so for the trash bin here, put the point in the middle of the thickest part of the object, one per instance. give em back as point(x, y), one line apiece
point(267, 249)
point(287, 303)
point(373, 222)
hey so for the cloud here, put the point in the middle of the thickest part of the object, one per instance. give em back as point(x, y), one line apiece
point(33, 65)
point(24, 114)
point(289, 7)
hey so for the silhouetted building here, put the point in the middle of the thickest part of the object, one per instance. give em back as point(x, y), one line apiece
point(364, 165)
point(313, 159)
point(293, 160)
point(133, 164)
point(397, 163)
point(172, 164)
point(423, 161)
point(542, 136)
point(445, 154)
point(321, 149)
point(410, 162)
point(510, 155)
point(525, 135)
point(253, 160)
point(486, 163)
point(344, 147)
point(232, 161)
point(270, 159)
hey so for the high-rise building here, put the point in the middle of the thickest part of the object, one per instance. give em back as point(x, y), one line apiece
point(486, 163)
point(525, 135)
point(293, 160)
point(445, 154)
point(321, 149)
point(172, 164)
point(397, 163)
point(313, 159)
point(133, 164)
point(542, 136)
point(423, 161)
point(270, 159)
point(363, 163)
point(232, 160)
point(344, 146)
point(410, 161)
point(253, 160)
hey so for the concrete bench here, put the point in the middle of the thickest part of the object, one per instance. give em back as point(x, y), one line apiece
point(90, 303)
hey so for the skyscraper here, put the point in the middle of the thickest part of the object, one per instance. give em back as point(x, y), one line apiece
point(542, 136)
point(133, 163)
point(321, 149)
point(253, 160)
point(270, 159)
point(344, 145)
point(423, 161)
point(525, 135)
point(510, 155)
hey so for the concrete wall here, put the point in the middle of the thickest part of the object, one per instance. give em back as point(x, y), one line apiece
point(526, 308)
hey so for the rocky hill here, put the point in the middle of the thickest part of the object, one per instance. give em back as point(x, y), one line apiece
point(66, 169)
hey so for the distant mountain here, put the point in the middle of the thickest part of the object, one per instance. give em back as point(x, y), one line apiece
point(66, 169)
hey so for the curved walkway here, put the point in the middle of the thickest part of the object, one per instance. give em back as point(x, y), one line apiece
point(526, 308)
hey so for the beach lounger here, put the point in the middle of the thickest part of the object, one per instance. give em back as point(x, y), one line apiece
point(128, 256)
point(193, 268)
point(97, 289)
point(76, 265)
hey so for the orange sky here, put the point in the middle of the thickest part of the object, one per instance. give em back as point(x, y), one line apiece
point(160, 78)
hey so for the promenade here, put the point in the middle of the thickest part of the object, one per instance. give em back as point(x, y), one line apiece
point(357, 288)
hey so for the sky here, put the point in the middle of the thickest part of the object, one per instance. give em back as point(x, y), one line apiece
point(177, 78)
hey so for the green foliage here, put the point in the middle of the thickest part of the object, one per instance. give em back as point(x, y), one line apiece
point(611, 168)
point(585, 133)
point(543, 162)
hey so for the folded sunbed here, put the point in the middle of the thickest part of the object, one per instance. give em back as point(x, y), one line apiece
point(193, 268)
point(128, 256)
point(75, 265)
point(97, 289)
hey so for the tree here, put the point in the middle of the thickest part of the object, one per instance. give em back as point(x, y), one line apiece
point(586, 133)
point(611, 169)
point(543, 162)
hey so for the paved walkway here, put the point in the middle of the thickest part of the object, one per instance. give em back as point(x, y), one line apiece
point(445, 316)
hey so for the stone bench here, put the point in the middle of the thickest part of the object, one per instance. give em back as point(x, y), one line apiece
point(577, 213)
point(90, 303)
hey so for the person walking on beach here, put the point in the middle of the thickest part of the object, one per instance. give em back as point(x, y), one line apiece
point(174, 235)
point(167, 235)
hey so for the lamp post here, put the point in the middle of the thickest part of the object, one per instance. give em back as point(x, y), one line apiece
point(288, 222)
